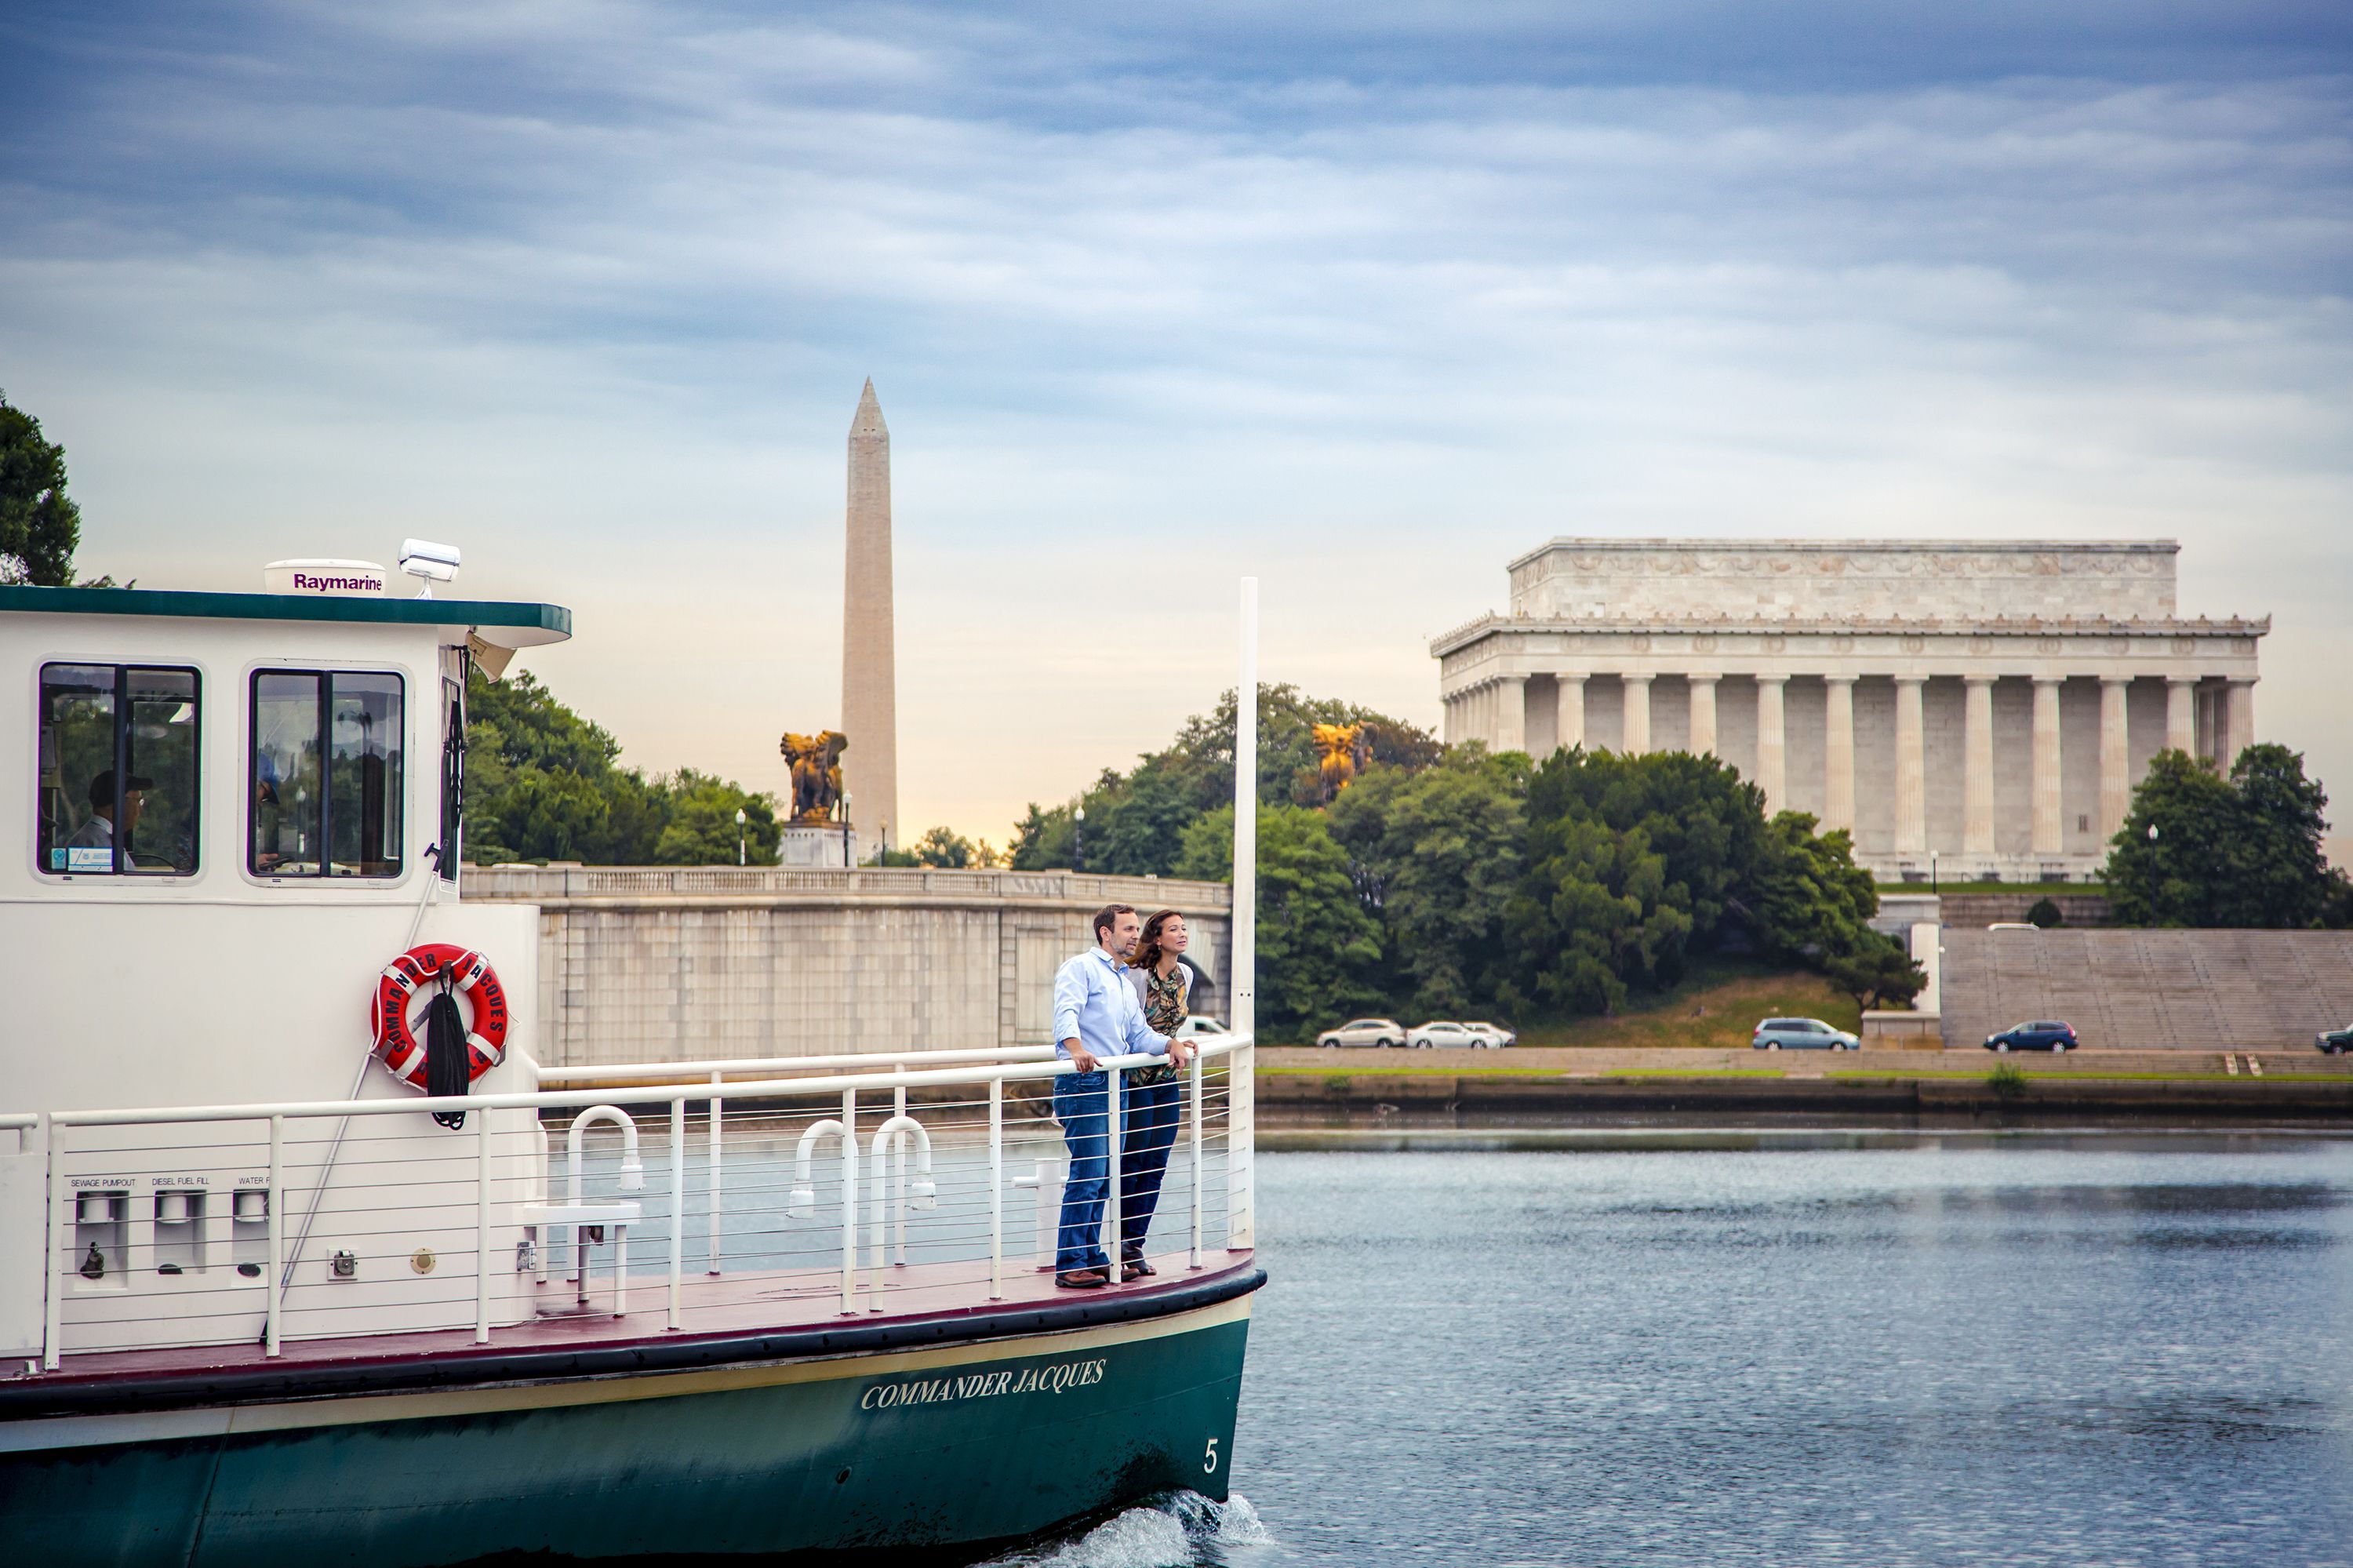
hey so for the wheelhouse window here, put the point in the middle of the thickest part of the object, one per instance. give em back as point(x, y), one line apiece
point(328, 785)
point(116, 792)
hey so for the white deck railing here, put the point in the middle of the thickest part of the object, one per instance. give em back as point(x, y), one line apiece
point(490, 1190)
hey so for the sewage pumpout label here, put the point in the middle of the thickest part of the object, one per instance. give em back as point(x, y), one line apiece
point(1056, 1378)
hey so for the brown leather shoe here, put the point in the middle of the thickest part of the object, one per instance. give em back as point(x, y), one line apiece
point(1082, 1280)
point(1133, 1263)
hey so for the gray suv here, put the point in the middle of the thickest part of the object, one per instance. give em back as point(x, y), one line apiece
point(1802, 1034)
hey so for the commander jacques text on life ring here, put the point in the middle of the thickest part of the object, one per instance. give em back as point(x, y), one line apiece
point(471, 976)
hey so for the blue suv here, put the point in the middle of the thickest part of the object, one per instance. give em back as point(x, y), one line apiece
point(2050, 1034)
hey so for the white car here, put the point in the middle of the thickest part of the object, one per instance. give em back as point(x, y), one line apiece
point(1197, 1025)
point(1439, 1036)
point(1364, 1031)
point(1494, 1035)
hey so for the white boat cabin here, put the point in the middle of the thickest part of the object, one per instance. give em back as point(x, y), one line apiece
point(226, 814)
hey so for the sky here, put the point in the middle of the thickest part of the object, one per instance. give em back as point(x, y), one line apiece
point(1362, 300)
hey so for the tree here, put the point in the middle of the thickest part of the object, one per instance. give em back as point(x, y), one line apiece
point(540, 785)
point(2237, 852)
point(1318, 952)
point(1136, 820)
point(1634, 863)
point(1810, 903)
point(1434, 856)
point(1594, 913)
point(1879, 974)
point(700, 827)
point(40, 528)
point(943, 848)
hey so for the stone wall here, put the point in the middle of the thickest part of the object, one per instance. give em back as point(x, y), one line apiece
point(650, 964)
point(1977, 910)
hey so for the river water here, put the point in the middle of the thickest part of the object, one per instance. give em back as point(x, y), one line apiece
point(2096, 1349)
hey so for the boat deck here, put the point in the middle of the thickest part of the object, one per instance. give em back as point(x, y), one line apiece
point(801, 1306)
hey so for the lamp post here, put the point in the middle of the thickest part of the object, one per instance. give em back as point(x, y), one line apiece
point(1933, 889)
point(741, 855)
point(2152, 873)
point(1080, 855)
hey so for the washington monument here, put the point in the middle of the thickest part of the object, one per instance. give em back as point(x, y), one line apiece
point(870, 678)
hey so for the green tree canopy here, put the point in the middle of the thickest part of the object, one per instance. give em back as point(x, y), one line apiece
point(699, 826)
point(944, 848)
point(1319, 953)
point(2237, 852)
point(1810, 902)
point(542, 784)
point(1435, 856)
point(40, 528)
point(1136, 822)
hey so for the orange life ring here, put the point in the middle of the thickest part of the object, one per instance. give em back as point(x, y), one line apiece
point(471, 975)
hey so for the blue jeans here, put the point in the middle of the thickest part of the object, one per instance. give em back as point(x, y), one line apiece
point(1144, 1157)
point(1078, 1106)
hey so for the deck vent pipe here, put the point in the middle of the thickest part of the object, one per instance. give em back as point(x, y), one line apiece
point(633, 1169)
point(803, 1201)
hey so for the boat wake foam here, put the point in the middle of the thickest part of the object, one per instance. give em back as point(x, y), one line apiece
point(1180, 1530)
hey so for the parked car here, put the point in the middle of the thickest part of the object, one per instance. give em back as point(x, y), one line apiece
point(2049, 1035)
point(1494, 1035)
point(1364, 1031)
point(2336, 1041)
point(2013, 926)
point(1198, 1024)
point(1439, 1034)
point(1802, 1034)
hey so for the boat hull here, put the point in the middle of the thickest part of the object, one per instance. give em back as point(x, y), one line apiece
point(976, 1441)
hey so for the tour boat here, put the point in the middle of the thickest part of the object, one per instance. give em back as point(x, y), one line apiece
point(304, 1257)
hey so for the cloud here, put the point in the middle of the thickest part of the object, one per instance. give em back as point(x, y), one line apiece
point(1366, 301)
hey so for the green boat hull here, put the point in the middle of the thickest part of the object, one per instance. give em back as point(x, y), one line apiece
point(960, 1445)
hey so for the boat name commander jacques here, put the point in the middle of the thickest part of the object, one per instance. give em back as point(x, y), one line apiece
point(984, 1385)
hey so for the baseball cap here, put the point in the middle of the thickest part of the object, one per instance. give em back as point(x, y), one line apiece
point(101, 789)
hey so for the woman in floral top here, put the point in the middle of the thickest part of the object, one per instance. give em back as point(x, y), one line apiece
point(1161, 981)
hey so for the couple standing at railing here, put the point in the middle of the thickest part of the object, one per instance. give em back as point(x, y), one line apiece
point(1124, 997)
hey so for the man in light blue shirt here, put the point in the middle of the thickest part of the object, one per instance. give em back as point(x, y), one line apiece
point(1095, 1015)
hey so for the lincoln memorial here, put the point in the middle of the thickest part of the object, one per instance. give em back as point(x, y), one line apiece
point(1990, 704)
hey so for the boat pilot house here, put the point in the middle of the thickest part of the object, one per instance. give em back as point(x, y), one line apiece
point(300, 1243)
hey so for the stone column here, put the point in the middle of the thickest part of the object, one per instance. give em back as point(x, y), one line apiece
point(2240, 720)
point(2047, 839)
point(1702, 716)
point(1911, 767)
point(1638, 715)
point(1976, 779)
point(1838, 755)
point(1482, 723)
point(2115, 756)
point(2182, 715)
point(1772, 741)
point(1512, 728)
point(1571, 730)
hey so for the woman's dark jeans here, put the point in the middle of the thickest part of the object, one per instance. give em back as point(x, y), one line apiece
point(1150, 1117)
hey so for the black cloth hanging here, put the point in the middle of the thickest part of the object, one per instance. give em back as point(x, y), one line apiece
point(447, 1069)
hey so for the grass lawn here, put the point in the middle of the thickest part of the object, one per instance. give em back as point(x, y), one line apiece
point(1717, 1006)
